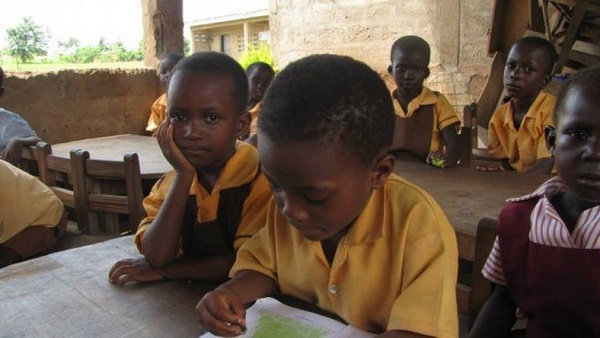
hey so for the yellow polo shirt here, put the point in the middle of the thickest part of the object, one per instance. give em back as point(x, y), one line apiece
point(254, 112)
point(158, 113)
point(522, 147)
point(443, 113)
point(395, 269)
point(240, 169)
point(25, 201)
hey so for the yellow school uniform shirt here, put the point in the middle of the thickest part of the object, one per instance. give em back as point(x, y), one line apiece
point(240, 169)
point(525, 146)
point(395, 269)
point(254, 112)
point(25, 201)
point(157, 113)
point(443, 113)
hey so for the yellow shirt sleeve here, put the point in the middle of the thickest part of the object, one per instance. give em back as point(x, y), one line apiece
point(445, 113)
point(157, 113)
point(496, 131)
point(254, 212)
point(427, 303)
point(25, 201)
point(152, 204)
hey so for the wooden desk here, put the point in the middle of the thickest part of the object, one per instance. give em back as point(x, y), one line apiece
point(67, 294)
point(467, 195)
point(152, 162)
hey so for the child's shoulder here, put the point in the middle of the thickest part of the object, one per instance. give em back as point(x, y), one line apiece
point(408, 197)
point(414, 208)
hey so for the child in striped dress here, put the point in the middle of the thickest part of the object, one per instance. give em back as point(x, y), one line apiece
point(546, 259)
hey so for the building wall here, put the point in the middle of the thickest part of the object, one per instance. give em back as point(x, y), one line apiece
point(457, 31)
point(71, 105)
point(209, 38)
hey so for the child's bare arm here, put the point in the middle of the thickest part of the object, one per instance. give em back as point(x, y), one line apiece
point(222, 310)
point(452, 143)
point(160, 242)
point(209, 269)
point(14, 148)
point(497, 316)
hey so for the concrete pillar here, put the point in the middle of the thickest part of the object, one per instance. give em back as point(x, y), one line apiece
point(246, 36)
point(163, 29)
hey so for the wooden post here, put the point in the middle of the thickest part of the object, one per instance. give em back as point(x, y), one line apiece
point(163, 29)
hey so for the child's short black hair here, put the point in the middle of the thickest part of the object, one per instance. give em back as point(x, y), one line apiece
point(259, 65)
point(222, 64)
point(173, 57)
point(585, 80)
point(412, 42)
point(330, 98)
point(543, 45)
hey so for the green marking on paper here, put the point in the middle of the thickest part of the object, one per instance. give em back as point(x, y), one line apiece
point(271, 325)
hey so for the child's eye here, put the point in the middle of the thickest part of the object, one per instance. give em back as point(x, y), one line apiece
point(315, 201)
point(177, 117)
point(527, 69)
point(578, 134)
point(212, 118)
point(510, 65)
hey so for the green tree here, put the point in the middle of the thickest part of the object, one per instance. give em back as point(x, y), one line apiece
point(27, 40)
point(69, 46)
point(186, 46)
point(261, 52)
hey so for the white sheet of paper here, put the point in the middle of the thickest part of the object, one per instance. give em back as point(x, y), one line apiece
point(270, 318)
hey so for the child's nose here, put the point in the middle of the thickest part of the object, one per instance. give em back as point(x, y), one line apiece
point(292, 209)
point(194, 128)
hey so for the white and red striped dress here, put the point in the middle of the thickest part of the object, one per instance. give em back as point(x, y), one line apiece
point(547, 228)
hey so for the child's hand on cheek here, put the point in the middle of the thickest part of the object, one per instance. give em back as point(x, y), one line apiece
point(172, 153)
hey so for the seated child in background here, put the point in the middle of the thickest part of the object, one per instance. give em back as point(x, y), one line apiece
point(546, 258)
point(32, 218)
point(426, 124)
point(216, 197)
point(260, 75)
point(343, 232)
point(158, 108)
point(15, 132)
point(516, 129)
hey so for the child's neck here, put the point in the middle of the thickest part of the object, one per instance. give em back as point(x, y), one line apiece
point(405, 96)
point(330, 244)
point(520, 107)
point(570, 208)
point(208, 176)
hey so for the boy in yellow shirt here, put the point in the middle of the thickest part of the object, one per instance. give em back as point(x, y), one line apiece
point(343, 232)
point(516, 129)
point(216, 197)
point(426, 123)
point(159, 107)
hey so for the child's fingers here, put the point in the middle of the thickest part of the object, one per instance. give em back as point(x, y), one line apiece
point(222, 312)
point(117, 266)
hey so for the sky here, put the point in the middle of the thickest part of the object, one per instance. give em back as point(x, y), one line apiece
point(114, 20)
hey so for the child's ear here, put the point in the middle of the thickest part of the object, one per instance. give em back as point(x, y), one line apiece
point(547, 79)
point(243, 128)
point(1, 91)
point(382, 168)
point(550, 133)
point(390, 69)
point(427, 72)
